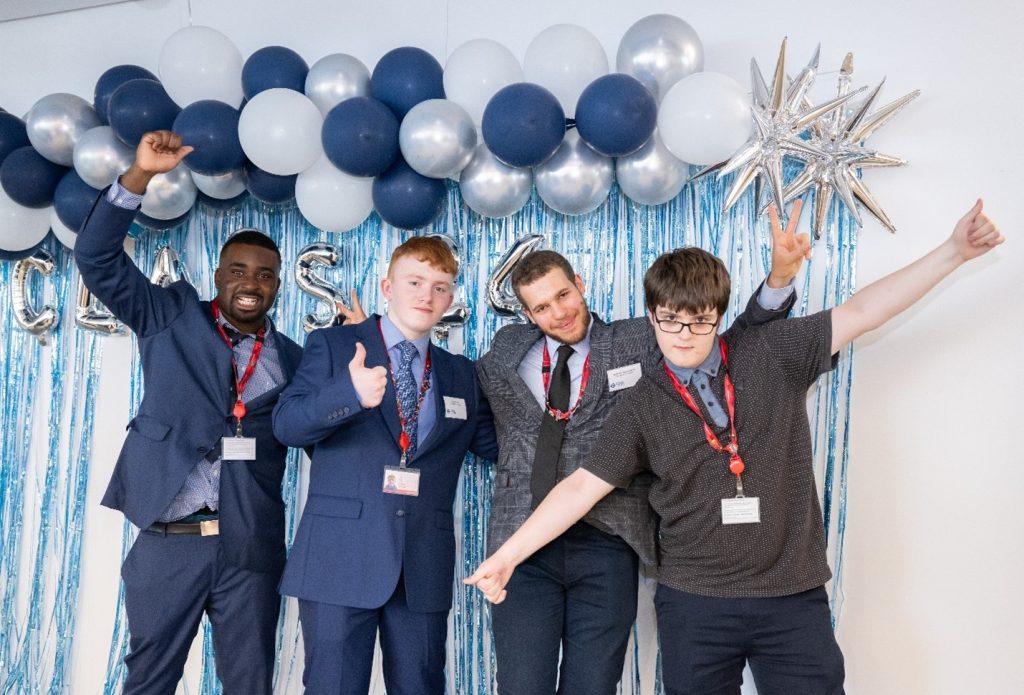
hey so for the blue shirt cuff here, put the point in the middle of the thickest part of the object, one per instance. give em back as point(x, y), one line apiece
point(772, 298)
point(121, 197)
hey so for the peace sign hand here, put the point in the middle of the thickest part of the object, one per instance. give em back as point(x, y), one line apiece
point(789, 249)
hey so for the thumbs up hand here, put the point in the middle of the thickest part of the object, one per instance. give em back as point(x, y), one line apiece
point(369, 382)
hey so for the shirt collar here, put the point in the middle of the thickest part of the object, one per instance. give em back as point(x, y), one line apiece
point(393, 336)
point(710, 366)
point(228, 325)
point(581, 348)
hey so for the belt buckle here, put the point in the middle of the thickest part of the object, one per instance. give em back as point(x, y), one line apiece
point(210, 527)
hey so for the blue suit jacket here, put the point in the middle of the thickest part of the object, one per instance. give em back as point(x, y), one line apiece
point(354, 541)
point(186, 407)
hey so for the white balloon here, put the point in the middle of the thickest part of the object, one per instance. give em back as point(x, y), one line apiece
point(280, 131)
point(21, 227)
point(169, 195)
point(704, 118)
point(100, 157)
point(221, 186)
point(201, 63)
point(64, 234)
point(335, 78)
point(564, 59)
point(475, 71)
point(331, 199)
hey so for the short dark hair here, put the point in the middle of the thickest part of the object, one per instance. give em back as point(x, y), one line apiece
point(687, 279)
point(536, 265)
point(252, 237)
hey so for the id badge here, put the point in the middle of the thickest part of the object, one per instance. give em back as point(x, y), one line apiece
point(741, 510)
point(238, 449)
point(401, 481)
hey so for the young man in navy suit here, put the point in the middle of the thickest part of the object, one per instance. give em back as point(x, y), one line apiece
point(389, 417)
point(200, 471)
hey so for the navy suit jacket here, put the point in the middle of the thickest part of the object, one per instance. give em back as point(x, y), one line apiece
point(186, 407)
point(354, 540)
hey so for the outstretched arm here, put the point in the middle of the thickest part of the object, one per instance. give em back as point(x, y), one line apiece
point(973, 236)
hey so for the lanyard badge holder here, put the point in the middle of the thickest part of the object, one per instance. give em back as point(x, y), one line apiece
point(739, 509)
point(400, 479)
point(239, 448)
point(545, 377)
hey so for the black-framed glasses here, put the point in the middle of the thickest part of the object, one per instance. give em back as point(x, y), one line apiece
point(696, 327)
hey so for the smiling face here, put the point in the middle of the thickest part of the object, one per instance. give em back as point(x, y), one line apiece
point(555, 303)
point(684, 349)
point(418, 294)
point(247, 281)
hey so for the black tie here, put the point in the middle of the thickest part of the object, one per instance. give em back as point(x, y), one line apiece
point(549, 441)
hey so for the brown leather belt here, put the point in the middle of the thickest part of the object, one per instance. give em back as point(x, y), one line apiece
point(199, 528)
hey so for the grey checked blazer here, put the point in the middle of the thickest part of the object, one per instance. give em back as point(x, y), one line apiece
point(517, 417)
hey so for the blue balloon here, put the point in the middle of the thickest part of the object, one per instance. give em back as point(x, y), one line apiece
point(139, 106)
point(13, 135)
point(211, 127)
point(406, 76)
point(29, 178)
point(221, 204)
point(73, 200)
point(406, 199)
point(360, 136)
point(273, 67)
point(148, 222)
point(616, 115)
point(523, 124)
point(110, 80)
point(18, 255)
point(269, 188)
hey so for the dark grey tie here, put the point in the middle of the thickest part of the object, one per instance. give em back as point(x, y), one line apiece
point(549, 441)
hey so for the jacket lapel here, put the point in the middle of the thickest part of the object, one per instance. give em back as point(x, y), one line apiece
point(368, 333)
point(511, 360)
point(224, 355)
point(442, 384)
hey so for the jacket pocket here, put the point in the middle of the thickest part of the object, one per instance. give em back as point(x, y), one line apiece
point(149, 427)
point(327, 505)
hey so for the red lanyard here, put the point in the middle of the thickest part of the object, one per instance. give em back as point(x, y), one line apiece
point(545, 375)
point(239, 409)
point(732, 448)
point(403, 438)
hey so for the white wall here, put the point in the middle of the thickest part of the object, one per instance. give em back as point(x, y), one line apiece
point(933, 546)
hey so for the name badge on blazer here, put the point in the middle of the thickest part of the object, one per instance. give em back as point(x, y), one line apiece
point(623, 377)
point(454, 408)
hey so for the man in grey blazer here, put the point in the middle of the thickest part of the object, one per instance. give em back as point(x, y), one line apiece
point(551, 384)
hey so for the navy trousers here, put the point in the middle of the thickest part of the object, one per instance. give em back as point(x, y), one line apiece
point(577, 596)
point(169, 582)
point(339, 641)
point(788, 642)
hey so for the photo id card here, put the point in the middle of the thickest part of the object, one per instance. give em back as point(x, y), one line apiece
point(741, 510)
point(238, 449)
point(623, 377)
point(401, 481)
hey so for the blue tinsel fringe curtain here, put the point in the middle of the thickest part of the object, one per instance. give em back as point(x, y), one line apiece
point(43, 477)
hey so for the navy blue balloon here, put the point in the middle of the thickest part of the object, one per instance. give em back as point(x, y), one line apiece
point(616, 115)
point(523, 124)
point(406, 199)
point(221, 204)
point(18, 255)
point(160, 225)
point(139, 106)
point(73, 200)
point(272, 189)
point(406, 76)
point(110, 80)
point(271, 68)
point(29, 178)
point(211, 127)
point(360, 136)
point(13, 135)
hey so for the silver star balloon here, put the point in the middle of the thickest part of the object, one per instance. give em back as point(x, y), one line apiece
point(839, 139)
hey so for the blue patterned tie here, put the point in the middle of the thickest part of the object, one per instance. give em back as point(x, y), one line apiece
point(405, 383)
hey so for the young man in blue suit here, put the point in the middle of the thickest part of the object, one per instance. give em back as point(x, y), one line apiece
point(390, 418)
point(200, 471)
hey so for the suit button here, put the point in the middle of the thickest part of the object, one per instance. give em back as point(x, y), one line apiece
point(400, 513)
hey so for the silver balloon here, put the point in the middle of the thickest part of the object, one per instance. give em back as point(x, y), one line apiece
point(57, 122)
point(458, 313)
point(335, 78)
point(221, 186)
point(169, 195)
point(659, 50)
point(309, 258)
point(576, 179)
point(100, 157)
point(652, 175)
point(500, 297)
point(168, 268)
point(91, 315)
point(37, 322)
point(437, 138)
point(492, 188)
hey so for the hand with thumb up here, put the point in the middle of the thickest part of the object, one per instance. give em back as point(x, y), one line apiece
point(369, 383)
